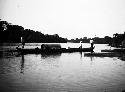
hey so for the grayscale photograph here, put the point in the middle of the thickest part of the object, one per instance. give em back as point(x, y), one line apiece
point(62, 45)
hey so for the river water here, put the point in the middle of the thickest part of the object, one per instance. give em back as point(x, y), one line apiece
point(65, 72)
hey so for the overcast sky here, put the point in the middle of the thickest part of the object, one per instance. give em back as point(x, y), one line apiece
point(68, 18)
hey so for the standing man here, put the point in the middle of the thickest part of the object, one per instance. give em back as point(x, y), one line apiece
point(23, 42)
point(81, 44)
point(92, 45)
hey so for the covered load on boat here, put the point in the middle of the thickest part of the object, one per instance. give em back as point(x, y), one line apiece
point(50, 46)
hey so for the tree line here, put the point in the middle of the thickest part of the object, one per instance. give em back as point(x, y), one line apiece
point(116, 41)
point(13, 33)
point(97, 40)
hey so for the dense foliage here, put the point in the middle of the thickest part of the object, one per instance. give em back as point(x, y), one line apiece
point(13, 33)
point(118, 39)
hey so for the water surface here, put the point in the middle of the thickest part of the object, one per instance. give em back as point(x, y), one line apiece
point(65, 72)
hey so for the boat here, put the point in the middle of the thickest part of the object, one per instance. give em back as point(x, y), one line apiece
point(51, 49)
point(110, 54)
point(114, 50)
point(61, 50)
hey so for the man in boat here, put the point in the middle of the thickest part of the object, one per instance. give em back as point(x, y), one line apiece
point(92, 45)
point(80, 45)
point(23, 42)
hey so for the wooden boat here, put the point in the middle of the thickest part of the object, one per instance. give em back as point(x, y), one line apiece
point(103, 54)
point(114, 50)
point(50, 49)
point(61, 50)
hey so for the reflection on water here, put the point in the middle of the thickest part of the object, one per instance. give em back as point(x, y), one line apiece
point(22, 64)
point(48, 57)
point(66, 72)
point(122, 57)
point(54, 55)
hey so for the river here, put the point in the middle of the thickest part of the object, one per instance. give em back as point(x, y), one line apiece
point(65, 72)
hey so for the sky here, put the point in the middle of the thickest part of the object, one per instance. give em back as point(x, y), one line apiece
point(68, 18)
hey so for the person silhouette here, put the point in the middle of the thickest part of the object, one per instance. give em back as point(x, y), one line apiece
point(92, 46)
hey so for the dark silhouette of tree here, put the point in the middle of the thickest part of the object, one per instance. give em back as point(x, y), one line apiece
point(117, 39)
point(108, 40)
point(13, 33)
